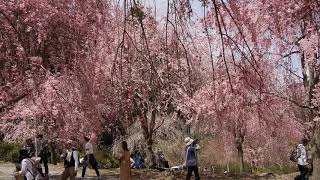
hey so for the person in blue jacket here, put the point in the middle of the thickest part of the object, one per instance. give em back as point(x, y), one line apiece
point(191, 158)
point(138, 161)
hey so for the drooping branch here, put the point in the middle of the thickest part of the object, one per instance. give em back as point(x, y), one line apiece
point(186, 56)
point(240, 31)
point(222, 43)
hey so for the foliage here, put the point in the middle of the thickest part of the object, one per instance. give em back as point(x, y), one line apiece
point(105, 159)
point(9, 152)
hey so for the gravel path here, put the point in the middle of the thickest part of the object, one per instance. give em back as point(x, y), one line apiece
point(7, 169)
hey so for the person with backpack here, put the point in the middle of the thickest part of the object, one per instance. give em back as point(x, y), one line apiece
point(89, 158)
point(191, 158)
point(71, 162)
point(301, 160)
point(28, 166)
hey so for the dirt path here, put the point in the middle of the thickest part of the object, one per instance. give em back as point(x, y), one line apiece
point(7, 169)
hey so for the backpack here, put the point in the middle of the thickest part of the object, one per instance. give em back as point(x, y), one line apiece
point(294, 155)
point(34, 171)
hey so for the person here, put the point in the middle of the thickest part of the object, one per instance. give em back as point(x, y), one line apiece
point(28, 166)
point(138, 161)
point(42, 151)
point(71, 162)
point(89, 157)
point(125, 169)
point(191, 158)
point(131, 161)
point(162, 163)
point(29, 146)
point(53, 150)
point(302, 160)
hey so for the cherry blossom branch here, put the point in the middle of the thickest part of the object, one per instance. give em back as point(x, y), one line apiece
point(237, 26)
point(209, 42)
point(222, 43)
point(186, 55)
point(287, 98)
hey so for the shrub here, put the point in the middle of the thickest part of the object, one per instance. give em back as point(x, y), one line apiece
point(105, 158)
point(9, 151)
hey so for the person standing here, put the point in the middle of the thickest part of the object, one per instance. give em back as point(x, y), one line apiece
point(71, 162)
point(191, 158)
point(125, 163)
point(302, 160)
point(29, 146)
point(89, 158)
point(42, 151)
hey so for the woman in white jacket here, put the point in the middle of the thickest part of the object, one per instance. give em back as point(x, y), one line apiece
point(28, 166)
point(302, 159)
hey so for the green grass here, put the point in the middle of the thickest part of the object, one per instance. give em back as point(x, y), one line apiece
point(276, 169)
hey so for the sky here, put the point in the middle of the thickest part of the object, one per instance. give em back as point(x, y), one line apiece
point(161, 7)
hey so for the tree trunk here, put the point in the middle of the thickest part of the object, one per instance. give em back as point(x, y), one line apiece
point(239, 140)
point(240, 157)
point(316, 168)
point(316, 159)
point(228, 167)
point(148, 130)
point(151, 160)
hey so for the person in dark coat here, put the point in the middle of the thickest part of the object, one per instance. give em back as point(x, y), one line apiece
point(30, 147)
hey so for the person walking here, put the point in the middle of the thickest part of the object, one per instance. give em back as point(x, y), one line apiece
point(302, 160)
point(89, 158)
point(28, 166)
point(71, 162)
point(191, 158)
point(125, 163)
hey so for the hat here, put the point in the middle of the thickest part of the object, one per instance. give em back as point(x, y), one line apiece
point(188, 141)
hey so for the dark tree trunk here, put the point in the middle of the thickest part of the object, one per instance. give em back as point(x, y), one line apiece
point(240, 157)
point(316, 158)
point(151, 160)
point(148, 130)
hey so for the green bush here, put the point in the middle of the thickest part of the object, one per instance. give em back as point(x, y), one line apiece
point(105, 158)
point(9, 151)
